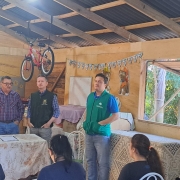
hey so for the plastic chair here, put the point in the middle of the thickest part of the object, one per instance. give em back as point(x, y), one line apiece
point(152, 174)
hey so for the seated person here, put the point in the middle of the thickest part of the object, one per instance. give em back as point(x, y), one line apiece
point(64, 168)
point(146, 159)
point(2, 175)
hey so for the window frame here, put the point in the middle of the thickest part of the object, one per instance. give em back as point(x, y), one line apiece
point(142, 90)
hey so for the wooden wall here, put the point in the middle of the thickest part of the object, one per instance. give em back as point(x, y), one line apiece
point(104, 54)
point(108, 53)
point(59, 88)
point(10, 65)
point(31, 86)
point(12, 53)
point(12, 50)
point(9, 41)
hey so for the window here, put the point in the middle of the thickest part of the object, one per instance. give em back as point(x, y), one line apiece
point(159, 98)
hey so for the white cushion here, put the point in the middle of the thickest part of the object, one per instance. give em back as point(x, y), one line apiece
point(120, 124)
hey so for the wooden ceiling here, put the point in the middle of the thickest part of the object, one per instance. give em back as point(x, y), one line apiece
point(73, 23)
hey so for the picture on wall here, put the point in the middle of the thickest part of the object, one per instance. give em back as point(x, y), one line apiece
point(124, 81)
point(107, 72)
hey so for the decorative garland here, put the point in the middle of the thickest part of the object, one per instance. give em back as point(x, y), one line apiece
point(101, 66)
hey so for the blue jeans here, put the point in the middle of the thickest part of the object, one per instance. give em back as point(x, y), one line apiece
point(98, 157)
point(8, 128)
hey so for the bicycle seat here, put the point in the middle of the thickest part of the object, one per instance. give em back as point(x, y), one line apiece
point(41, 44)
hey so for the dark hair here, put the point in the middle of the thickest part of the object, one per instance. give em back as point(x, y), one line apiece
point(41, 75)
point(61, 147)
point(5, 77)
point(142, 144)
point(103, 76)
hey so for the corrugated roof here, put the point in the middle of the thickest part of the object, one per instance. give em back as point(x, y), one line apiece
point(123, 15)
point(50, 7)
point(110, 38)
point(25, 32)
point(51, 28)
point(79, 41)
point(3, 3)
point(52, 43)
point(170, 8)
point(91, 3)
point(154, 33)
point(4, 22)
point(22, 14)
point(82, 23)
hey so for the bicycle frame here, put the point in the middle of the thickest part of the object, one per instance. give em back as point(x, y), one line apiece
point(44, 61)
point(37, 61)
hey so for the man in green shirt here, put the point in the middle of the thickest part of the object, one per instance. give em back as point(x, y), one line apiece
point(102, 110)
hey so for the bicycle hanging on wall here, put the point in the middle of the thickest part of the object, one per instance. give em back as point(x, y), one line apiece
point(44, 61)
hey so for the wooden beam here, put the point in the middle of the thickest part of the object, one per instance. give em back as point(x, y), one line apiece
point(36, 20)
point(56, 22)
point(17, 36)
point(12, 33)
point(12, 25)
point(142, 93)
point(165, 67)
point(135, 26)
point(95, 8)
point(67, 15)
point(89, 32)
point(71, 14)
point(142, 25)
point(101, 31)
point(107, 5)
point(99, 20)
point(12, 17)
point(129, 27)
point(58, 78)
point(152, 13)
point(9, 6)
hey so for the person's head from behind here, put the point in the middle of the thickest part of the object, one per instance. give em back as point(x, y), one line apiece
point(6, 84)
point(42, 82)
point(60, 149)
point(100, 82)
point(140, 148)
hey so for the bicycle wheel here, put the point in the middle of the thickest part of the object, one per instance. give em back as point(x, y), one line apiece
point(27, 69)
point(47, 63)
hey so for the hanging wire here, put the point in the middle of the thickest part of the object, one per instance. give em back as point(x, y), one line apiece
point(129, 37)
point(30, 40)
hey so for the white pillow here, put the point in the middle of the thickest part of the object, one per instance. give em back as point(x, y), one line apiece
point(120, 124)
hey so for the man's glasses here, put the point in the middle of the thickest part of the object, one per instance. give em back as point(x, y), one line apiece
point(8, 84)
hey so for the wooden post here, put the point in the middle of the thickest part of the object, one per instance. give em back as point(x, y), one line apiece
point(142, 89)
